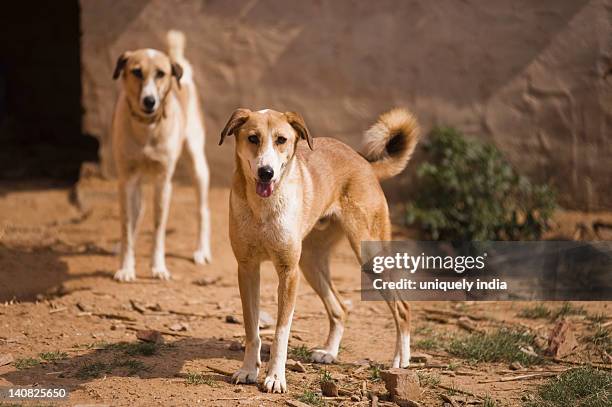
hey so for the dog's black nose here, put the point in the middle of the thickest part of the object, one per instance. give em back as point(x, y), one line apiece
point(148, 102)
point(265, 173)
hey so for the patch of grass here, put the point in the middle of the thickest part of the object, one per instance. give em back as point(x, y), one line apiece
point(134, 348)
point(489, 402)
point(601, 338)
point(93, 370)
point(539, 311)
point(598, 318)
point(568, 309)
point(326, 376)
point(428, 344)
point(580, 387)
point(97, 369)
point(301, 353)
point(428, 379)
point(26, 363)
point(501, 346)
point(53, 356)
point(374, 370)
point(452, 390)
point(311, 398)
point(195, 379)
point(454, 366)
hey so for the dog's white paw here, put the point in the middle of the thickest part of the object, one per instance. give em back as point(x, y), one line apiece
point(202, 257)
point(322, 356)
point(275, 383)
point(245, 376)
point(125, 275)
point(161, 272)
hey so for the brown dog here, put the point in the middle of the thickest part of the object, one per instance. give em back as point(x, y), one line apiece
point(291, 202)
point(157, 112)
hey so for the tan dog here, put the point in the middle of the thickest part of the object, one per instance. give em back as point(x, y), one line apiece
point(156, 113)
point(291, 205)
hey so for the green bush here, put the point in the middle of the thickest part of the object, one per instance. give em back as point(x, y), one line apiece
point(468, 191)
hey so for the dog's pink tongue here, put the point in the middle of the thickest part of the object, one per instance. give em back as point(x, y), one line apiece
point(264, 189)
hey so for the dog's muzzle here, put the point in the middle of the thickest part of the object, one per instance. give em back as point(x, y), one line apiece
point(265, 186)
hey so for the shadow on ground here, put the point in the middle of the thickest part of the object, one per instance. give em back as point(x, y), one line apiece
point(124, 359)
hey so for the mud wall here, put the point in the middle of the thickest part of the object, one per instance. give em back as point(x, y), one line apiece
point(527, 76)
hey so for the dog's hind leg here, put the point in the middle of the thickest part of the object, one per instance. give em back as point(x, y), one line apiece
point(195, 147)
point(162, 194)
point(316, 251)
point(130, 202)
point(363, 229)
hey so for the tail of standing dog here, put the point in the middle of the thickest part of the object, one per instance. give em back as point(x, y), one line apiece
point(176, 45)
point(390, 142)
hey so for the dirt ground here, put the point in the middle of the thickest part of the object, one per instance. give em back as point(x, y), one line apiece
point(57, 258)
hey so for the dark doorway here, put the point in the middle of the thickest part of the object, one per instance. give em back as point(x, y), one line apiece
point(40, 91)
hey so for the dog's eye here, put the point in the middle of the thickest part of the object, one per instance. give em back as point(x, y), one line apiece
point(254, 139)
point(281, 140)
point(160, 74)
point(137, 72)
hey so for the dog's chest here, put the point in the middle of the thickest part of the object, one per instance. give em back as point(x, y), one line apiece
point(274, 224)
point(155, 150)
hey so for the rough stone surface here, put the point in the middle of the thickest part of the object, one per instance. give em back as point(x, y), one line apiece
point(529, 79)
point(402, 383)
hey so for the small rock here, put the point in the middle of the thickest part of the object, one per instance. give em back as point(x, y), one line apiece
point(149, 335)
point(402, 383)
point(115, 327)
point(235, 346)
point(296, 366)
point(329, 388)
point(238, 390)
point(203, 282)
point(562, 340)
point(516, 366)
point(231, 319)
point(6, 358)
point(154, 307)
point(265, 320)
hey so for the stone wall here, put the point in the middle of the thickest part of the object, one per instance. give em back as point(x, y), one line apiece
point(525, 75)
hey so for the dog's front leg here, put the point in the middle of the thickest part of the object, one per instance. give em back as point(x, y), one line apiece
point(163, 192)
point(288, 278)
point(248, 282)
point(130, 201)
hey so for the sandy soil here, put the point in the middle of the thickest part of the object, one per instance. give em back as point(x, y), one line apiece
point(57, 257)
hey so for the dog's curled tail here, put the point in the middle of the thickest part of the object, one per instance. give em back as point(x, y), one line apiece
point(175, 40)
point(390, 142)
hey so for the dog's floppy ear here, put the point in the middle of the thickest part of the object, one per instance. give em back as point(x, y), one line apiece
point(297, 122)
point(177, 72)
point(121, 61)
point(239, 117)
